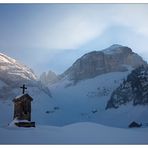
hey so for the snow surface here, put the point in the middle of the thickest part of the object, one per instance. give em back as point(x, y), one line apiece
point(79, 133)
point(84, 101)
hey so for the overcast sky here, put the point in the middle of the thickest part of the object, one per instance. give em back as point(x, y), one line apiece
point(53, 36)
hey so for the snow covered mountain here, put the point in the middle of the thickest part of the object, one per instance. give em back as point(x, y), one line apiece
point(100, 72)
point(113, 59)
point(82, 92)
point(11, 71)
point(106, 87)
point(13, 75)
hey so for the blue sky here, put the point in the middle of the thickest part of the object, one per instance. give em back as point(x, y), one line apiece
point(53, 36)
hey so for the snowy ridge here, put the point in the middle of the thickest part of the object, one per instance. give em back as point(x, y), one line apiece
point(6, 59)
point(11, 67)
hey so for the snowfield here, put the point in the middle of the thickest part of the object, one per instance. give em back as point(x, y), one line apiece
point(79, 133)
point(86, 100)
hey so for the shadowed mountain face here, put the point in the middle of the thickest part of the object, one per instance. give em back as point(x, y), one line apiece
point(134, 89)
point(113, 59)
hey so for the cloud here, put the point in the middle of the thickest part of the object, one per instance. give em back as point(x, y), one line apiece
point(72, 32)
point(131, 15)
point(70, 26)
point(89, 21)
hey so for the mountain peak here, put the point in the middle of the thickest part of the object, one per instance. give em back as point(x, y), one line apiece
point(116, 46)
point(115, 58)
point(116, 49)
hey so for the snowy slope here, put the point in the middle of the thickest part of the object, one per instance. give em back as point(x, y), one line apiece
point(80, 133)
point(85, 101)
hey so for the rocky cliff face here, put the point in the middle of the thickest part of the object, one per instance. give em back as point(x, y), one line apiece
point(134, 89)
point(113, 59)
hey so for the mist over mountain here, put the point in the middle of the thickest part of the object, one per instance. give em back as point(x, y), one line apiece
point(48, 78)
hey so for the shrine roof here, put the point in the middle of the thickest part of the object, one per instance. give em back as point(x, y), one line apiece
point(21, 97)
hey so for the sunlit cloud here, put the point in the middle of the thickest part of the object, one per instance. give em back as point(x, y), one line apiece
point(72, 32)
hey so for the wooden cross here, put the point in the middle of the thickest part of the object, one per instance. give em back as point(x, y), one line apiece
point(23, 88)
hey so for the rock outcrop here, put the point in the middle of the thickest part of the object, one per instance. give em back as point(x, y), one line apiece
point(134, 89)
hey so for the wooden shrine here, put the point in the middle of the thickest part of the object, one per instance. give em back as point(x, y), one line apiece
point(22, 110)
